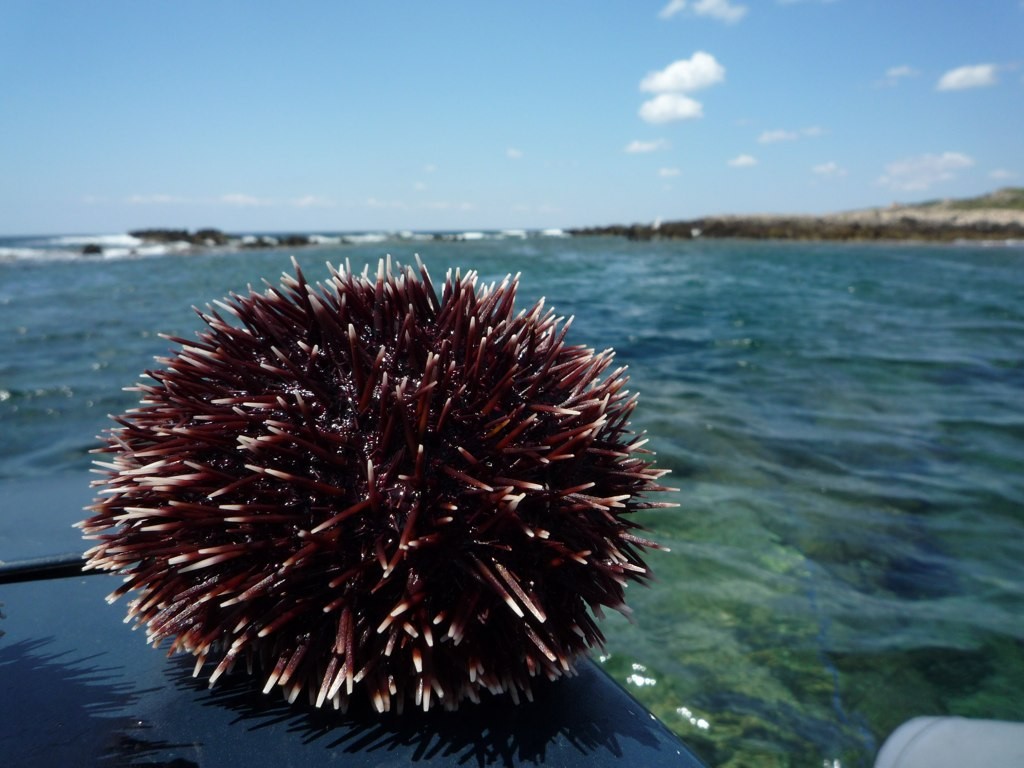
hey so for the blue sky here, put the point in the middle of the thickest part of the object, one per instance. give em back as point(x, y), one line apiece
point(468, 115)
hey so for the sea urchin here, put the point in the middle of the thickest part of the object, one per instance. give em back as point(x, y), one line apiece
point(356, 486)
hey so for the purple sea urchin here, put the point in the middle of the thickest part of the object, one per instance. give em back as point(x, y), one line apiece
point(357, 485)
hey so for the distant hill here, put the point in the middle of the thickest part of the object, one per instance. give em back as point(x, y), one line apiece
point(1007, 198)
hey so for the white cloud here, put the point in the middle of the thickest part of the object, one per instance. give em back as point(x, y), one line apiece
point(921, 172)
point(312, 201)
point(743, 161)
point(373, 202)
point(668, 107)
point(894, 75)
point(830, 169)
point(723, 10)
point(513, 154)
point(426, 205)
point(155, 200)
point(670, 10)
point(238, 199)
point(903, 70)
point(446, 205)
point(680, 77)
point(699, 71)
point(772, 137)
point(668, 173)
point(638, 147)
point(530, 208)
point(1002, 174)
point(242, 200)
point(972, 76)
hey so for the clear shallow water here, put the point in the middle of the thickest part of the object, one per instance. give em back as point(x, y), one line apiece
point(845, 424)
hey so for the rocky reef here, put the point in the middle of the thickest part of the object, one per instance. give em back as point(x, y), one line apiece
point(206, 238)
point(268, 241)
point(215, 238)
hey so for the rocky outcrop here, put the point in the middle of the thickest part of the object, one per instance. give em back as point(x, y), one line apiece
point(201, 237)
point(210, 237)
point(268, 241)
point(214, 238)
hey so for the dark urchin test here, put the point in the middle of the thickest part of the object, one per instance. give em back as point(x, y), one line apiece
point(361, 489)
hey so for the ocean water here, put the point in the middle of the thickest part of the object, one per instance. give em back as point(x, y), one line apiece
point(844, 423)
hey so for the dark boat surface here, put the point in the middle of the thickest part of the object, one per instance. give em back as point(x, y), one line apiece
point(79, 688)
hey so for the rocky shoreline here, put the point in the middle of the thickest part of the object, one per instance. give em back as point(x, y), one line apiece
point(997, 216)
point(830, 227)
point(214, 238)
point(185, 241)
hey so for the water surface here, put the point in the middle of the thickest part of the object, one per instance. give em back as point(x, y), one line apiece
point(844, 423)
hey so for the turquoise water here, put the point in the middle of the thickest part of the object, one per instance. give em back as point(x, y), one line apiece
point(844, 422)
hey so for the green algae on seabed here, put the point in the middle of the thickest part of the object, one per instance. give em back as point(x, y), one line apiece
point(750, 662)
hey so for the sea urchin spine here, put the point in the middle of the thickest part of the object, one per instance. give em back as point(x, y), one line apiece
point(357, 486)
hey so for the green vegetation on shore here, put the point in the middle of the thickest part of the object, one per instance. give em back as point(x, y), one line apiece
point(1005, 199)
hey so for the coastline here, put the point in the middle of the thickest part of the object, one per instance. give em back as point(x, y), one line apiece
point(893, 224)
point(996, 216)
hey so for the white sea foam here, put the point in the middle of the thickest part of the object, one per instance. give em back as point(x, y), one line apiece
point(144, 251)
point(20, 254)
point(256, 240)
point(125, 246)
point(103, 241)
point(70, 248)
point(407, 234)
point(367, 238)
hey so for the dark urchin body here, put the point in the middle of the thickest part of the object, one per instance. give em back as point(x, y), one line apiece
point(359, 486)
